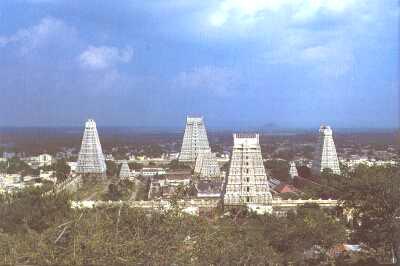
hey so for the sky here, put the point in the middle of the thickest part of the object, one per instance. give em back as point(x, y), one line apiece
point(237, 63)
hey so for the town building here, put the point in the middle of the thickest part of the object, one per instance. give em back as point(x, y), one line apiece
point(91, 160)
point(152, 171)
point(166, 186)
point(195, 140)
point(247, 181)
point(325, 155)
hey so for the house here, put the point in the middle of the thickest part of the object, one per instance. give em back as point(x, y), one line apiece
point(285, 188)
point(209, 188)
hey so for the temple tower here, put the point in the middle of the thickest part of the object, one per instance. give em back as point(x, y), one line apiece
point(325, 154)
point(195, 140)
point(207, 166)
point(247, 181)
point(125, 172)
point(91, 159)
point(293, 170)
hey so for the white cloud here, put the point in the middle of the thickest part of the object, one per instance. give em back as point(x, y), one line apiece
point(33, 37)
point(243, 10)
point(103, 57)
point(251, 11)
point(332, 59)
point(217, 80)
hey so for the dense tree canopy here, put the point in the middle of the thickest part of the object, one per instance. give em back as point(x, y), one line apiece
point(62, 170)
point(372, 196)
point(279, 169)
point(112, 169)
point(44, 230)
point(176, 165)
point(37, 230)
point(16, 166)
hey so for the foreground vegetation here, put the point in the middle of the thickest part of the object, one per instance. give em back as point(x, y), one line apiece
point(37, 230)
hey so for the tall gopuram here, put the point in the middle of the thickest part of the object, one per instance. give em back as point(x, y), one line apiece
point(125, 172)
point(91, 160)
point(325, 154)
point(207, 166)
point(195, 140)
point(293, 170)
point(247, 181)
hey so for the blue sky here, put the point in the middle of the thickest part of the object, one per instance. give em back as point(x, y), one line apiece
point(239, 63)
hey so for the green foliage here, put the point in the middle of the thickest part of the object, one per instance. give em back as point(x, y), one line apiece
point(120, 191)
point(372, 196)
point(225, 167)
point(176, 165)
point(16, 166)
point(39, 230)
point(3, 167)
point(112, 169)
point(135, 166)
point(302, 231)
point(62, 170)
point(304, 171)
point(30, 210)
point(228, 243)
point(44, 230)
point(279, 169)
point(142, 189)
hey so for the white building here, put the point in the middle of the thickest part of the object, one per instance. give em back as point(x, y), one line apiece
point(45, 160)
point(125, 172)
point(150, 171)
point(354, 162)
point(247, 181)
point(325, 154)
point(207, 166)
point(293, 170)
point(195, 140)
point(39, 161)
point(91, 159)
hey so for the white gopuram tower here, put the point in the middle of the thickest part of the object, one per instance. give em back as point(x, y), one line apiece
point(325, 155)
point(207, 166)
point(195, 140)
point(293, 170)
point(91, 159)
point(125, 172)
point(247, 181)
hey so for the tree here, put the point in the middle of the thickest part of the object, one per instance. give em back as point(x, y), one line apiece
point(301, 231)
point(304, 171)
point(279, 169)
point(30, 210)
point(62, 170)
point(15, 166)
point(372, 196)
point(112, 169)
point(225, 167)
point(176, 165)
point(135, 166)
point(3, 167)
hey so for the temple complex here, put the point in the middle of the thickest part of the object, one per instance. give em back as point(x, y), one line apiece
point(91, 160)
point(325, 154)
point(293, 170)
point(125, 172)
point(207, 166)
point(247, 181)
point(195, 140)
